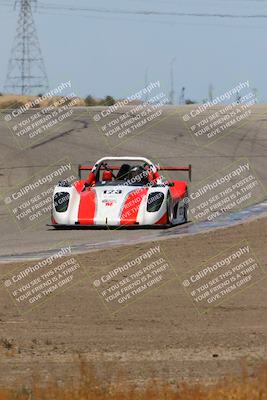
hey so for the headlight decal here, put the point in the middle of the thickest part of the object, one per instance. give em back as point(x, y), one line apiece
point(155, 201)
point(61, 201)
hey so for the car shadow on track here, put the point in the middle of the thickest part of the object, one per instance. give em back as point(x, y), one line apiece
point(113, 228)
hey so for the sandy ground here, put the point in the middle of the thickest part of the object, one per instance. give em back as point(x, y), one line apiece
point(161, 335)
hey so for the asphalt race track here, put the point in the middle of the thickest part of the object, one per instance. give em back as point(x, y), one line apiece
point(78, 139)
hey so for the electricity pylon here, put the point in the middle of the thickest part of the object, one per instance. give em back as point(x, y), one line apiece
point(26, 70)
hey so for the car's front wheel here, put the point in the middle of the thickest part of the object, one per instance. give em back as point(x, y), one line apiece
point(170, 212)
point(186, 208)
point(185, 214)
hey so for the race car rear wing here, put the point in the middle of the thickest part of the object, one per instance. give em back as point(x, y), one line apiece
point(185, 169)
point(117, 168)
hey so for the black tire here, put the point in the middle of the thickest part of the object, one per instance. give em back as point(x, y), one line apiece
point(186, 209)
point(185, 214)
point(169, 212)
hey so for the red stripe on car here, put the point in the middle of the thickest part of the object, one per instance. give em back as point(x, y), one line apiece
point(131, 206)
point(163, 220)
point(87, 207)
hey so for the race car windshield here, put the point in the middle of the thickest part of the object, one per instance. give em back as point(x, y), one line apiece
point(127, 174)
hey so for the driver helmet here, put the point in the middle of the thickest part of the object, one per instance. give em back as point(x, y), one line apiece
point(107, 176)
point(138, 174)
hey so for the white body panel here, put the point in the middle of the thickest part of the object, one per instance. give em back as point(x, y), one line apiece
point(110, 202)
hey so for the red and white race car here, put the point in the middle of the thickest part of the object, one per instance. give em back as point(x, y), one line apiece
point(132, 192)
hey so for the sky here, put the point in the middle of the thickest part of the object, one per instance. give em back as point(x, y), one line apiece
point(105, 53)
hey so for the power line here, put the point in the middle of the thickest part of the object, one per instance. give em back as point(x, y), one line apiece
point(148, 12)
point(50, 6)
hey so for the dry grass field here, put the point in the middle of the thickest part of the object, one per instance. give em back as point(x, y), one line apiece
point(89, 388)
point(14, 101)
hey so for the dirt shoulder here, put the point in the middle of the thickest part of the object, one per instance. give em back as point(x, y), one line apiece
point(161, 335)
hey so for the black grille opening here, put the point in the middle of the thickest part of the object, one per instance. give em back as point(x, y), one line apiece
point(61, 201)
point(154, 201)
